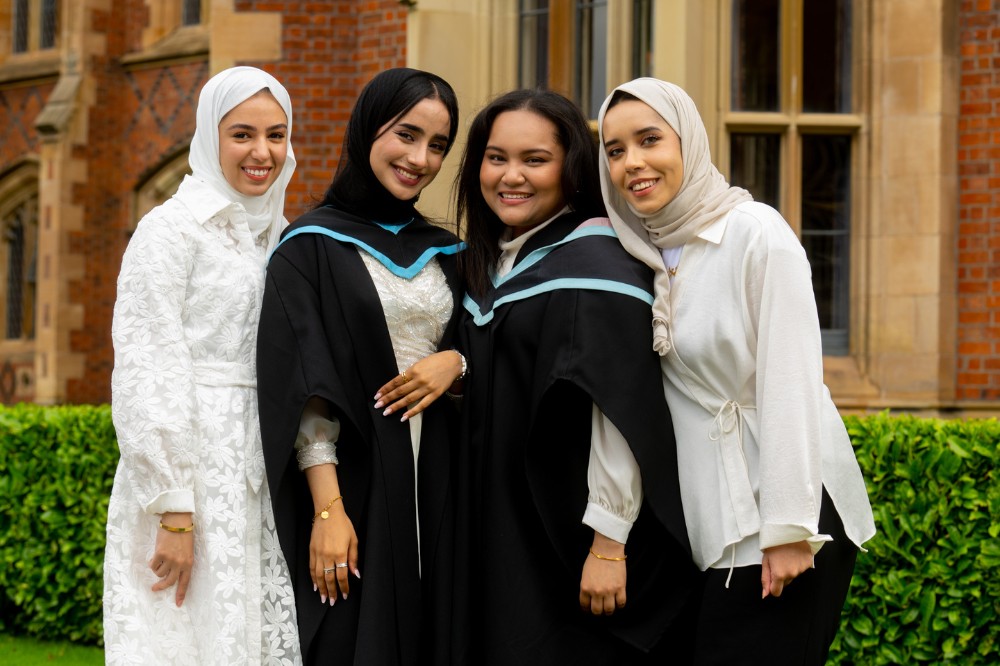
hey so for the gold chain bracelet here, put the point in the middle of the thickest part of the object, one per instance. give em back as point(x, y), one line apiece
point(608, 559)
point(325, 513)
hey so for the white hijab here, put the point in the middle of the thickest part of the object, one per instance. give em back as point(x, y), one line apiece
point(223, 92)
point(704, 195)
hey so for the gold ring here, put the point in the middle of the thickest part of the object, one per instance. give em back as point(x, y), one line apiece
point(403, 375)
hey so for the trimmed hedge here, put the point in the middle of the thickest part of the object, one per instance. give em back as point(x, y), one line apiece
point(58, 467)
point(927, 591)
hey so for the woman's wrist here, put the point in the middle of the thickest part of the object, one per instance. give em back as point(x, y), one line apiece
point(605, 547)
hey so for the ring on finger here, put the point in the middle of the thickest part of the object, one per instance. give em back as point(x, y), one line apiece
point(329, 570)
point(340, 565)
point(403, 375)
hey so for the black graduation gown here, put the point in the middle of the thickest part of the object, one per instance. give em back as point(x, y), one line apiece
point(568, 328)
point(323, 333)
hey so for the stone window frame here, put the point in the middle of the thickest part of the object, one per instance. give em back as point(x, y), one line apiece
point(565, 43)
point(791, 124)
point(37, 36)
point(19, 186)
point(34, 63)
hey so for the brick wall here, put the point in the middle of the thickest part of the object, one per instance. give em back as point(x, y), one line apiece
point(141, 118)
point(145, 116)
point(329, 51)
point(979, 202)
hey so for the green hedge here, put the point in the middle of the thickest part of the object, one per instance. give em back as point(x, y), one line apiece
point(927, 591)
point(58, 467)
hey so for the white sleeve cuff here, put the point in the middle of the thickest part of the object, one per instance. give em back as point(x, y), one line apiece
point(606, 523)
point(172, 501)
point(779, 535)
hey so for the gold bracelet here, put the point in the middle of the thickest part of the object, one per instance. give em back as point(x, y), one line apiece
point(325, 513)
point(608, 559)
point(178, 530)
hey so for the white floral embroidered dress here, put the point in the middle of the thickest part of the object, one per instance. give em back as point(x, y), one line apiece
point(185, 409)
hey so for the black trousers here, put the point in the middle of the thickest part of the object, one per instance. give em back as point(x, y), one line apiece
point(737, 627)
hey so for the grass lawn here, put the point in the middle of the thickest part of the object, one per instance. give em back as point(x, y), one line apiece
point(29, 652)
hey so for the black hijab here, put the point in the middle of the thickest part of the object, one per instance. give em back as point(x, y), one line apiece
point(384, 100)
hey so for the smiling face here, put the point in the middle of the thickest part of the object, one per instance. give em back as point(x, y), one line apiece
point(253, 143)
point(408, 153)
point(521, 173)
point(644, 156)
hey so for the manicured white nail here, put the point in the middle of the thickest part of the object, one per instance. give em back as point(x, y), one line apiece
point(322, 598)
point(357, 573)
point(378, 405)
point(315, 588)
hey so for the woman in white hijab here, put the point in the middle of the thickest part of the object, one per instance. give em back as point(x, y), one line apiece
point(772, 492)
point(193, 573)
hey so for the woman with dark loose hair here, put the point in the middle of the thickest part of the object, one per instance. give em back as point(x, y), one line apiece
point(360, 290)
point(581, 184)
point(562, 407)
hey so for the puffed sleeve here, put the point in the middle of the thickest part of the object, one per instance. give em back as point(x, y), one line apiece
point(614, 480)
point(152, 385)
point(789, 384)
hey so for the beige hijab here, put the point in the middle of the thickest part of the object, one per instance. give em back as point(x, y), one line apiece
point(704, 195)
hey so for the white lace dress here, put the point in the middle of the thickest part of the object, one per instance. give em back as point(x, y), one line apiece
point(185, 409)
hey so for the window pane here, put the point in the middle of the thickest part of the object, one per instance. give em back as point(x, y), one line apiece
point(191, 12)
point(826, 218)
point(20, 24)
point(533, 47)
point(50, 12)
point(592, 58)
point(756, 51)
point(755, 163)
point(642, 38)
point(826, 77)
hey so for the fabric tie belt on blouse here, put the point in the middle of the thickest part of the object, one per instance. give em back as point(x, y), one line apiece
point(237, 375)
point(727, 429)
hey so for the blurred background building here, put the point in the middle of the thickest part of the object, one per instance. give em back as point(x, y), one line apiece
point(872, 125)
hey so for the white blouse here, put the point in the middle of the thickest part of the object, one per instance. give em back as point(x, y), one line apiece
point(758, 436)
point(613, 474)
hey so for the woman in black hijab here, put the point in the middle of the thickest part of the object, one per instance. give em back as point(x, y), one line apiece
point(360, 290)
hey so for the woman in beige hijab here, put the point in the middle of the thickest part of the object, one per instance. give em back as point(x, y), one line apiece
point(772, 492)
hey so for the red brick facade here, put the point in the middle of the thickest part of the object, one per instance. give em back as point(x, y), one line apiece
point(329, 51)
point(979, 202)
point(143, 117)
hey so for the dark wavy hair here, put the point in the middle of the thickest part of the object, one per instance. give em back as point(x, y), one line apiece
point(580, 181)
point(384, 100)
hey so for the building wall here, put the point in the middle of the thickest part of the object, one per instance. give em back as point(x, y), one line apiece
point(329, 50)
point(115, 104)
point(979, 202)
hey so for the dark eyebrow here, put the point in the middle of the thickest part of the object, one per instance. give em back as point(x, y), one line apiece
point(651, 128)
point(417, 129)
point(530, 151)
point(253, 128)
